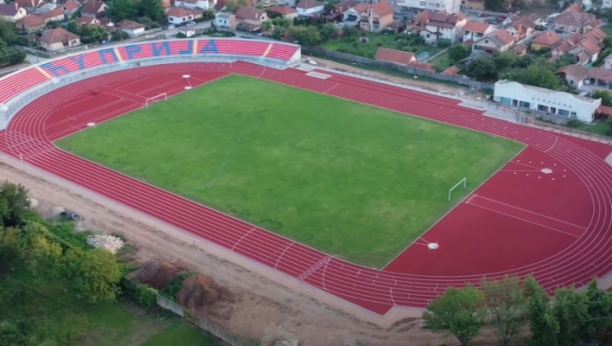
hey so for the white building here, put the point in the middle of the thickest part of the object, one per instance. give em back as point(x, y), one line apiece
point(450, 6)
point(606, 4)
point(309, 7)
point(196, 4)
point(563, 104)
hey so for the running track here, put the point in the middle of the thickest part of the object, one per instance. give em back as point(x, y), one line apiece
point(555, 225)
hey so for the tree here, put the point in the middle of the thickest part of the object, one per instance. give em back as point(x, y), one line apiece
point(457, 312)
point(350, 32)
point(278, 32)
point(119, 10)
point(14, 204)
point(153, 9)
point(542, 322)
point(305, 35)
point(73, 27)
point(458, 52)
point(208, 14)
point(482, 69)
point(599, 308)
point(44, 254)
point(234, 5)
point(328, 31)
point(606, 97)
point(93, 274)
point(265, 26)
point(571, 312)
point(11, 336)
point(506, 305)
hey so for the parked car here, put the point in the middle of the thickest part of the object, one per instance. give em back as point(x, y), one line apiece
point(192, 23)
point(171, 26)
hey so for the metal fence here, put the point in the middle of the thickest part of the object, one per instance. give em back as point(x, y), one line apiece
point(203, 324)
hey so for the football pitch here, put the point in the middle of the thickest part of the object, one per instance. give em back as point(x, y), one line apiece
point(352, 180)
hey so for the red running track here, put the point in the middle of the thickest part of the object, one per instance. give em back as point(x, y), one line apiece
point(548, 212)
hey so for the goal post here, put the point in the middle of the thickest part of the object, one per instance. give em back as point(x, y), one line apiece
point(151, 100)
point(461, 182)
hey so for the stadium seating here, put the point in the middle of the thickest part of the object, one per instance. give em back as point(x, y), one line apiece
point(15, 84)
point(281, 51)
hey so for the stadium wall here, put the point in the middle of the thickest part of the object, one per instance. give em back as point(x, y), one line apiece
point(22, 87)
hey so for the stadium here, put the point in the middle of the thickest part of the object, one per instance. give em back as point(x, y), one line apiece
point(377, 195)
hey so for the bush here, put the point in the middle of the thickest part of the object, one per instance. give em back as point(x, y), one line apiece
point(444, 43)
point(574, 123)
point(145, 296)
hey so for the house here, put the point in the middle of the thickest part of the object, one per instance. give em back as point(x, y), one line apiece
point(29, 5)
point(30, 24)
point(546, 40)
point(179, 15)
point(574, 75)
point(598, 79)
point(88, 21)
point(476, 30)
point(608, 62)
point(473, 4)
point(521, 29)
point(12, 12)
point(290, 3)
point(585, 47)
point(497, 41)
point(399, 57)
point(251, 17)
point(59, 39)
point(196, 4)
point(528, 97)
point(309, 7)
point(575, 20)
point(70, 8)
point(450, 6)
point(335, 13)
point(370, 17)
point(513, 18)
point(282, 11)
point(441, 25)
point(520, 49)
point(57, 15)
point(225, 20)
point(131, 27)
point(606, 4)
point(94, 8)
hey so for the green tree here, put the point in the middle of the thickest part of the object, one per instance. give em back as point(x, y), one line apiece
point(265, 26)
point(599, 308)
point(457, 312)
point(571, 312)
point(606, 97)
point(95, 274)
point(208, 14)
point(119, 10)
point(542, 322)
point(350, 32)
point(482, 69)
point(458, 52)
point(153, 9)
point(44, 254)
point(328, 32)
point(14, 204)
point(278, 32)
point(11, 336)
point(305, 35)
point(11, 247)
point(73, 27)
point(506, 305)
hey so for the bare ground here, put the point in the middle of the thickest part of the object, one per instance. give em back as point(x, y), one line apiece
point(258, 303)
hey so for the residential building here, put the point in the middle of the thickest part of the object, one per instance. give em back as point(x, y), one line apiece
point(520, 49)
point(225, 20)
point(450, 6)
point(575, 20)
point(282, 11)
point(473, 4)
point(563, 104)
point(574, 75)
point(608, 62)
point(251, 17)
point(94, 8)
point(309, 7)
point(585, 47)
point(196, 4)
point(370, 17)
point(583, 78)
point(335, 13)
point(606, 4)
point(12, 12)
point(497, 41)
point(88, 21)
point(473, 31)
point(399, 57)
point(513, 18)
point(71, 7)
point(30, 24)
point(29, 5)
point(57, 15)
point(441, 25)
point(521, 29)
point(131, 27)
point(59, 39)
point(179, 15)
point(546, 40)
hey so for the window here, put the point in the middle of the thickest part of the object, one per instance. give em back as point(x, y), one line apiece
point(524, 104)
point(553, 110)
point(573, 114)
point(563, 112)
point(543, 108)
point(422, 3)
point(505, 101)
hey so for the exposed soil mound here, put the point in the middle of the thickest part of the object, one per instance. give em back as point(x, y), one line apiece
point(157, 274)
point(198, 291)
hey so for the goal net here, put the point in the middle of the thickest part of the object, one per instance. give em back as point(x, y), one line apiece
point(461, 182)
point(151, 100)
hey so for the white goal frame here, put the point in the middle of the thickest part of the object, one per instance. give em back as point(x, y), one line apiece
point(156, 98)
point(462, 181)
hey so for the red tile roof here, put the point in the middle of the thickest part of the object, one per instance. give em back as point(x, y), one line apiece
point(284, 10)
point(451, 71)
point(92, 6)
point(248, 12)
point(181, 12)
point(548, 38)
point(71, 6)
point(129, 25)
point(394, 56)
point(476, 26)
point(308, 4)
point(382, 8)
point(32, 20)
point(57, 12)
point(58, 35)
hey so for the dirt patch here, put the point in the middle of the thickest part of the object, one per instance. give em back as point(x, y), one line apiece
point(248, 303)
point(157, 274)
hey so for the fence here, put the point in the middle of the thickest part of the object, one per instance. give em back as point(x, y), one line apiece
point(572, 132)
point(318, 51)
point(206, 326)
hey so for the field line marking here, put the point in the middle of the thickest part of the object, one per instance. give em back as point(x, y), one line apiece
point(242, 238)
point(282, 254)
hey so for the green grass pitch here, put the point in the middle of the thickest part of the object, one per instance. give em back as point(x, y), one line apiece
point(352, 180)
